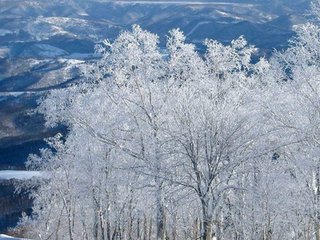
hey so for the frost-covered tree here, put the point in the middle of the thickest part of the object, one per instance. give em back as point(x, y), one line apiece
point(173, 144)
point(121, 106)
point(295, 115)
point(211, 122)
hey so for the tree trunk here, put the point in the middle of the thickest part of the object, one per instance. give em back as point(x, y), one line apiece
point(150, 230)
point(138, 228)
point(160, 211)
point(145, 228)
point(317, 224)
point(174, 227)
point(195, 229)
point(317, 230)
point(102, 225)
point(130, 223)
point(206, 225)
point(159, 191)
point(207, 230)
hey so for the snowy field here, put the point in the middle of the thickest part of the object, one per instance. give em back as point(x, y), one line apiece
point(4, 237)
point(21, 175)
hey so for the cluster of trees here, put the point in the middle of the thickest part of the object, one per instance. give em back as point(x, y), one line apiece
point(171, 144)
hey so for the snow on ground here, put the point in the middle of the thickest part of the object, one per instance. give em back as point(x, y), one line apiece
point(21, 175)
point(62, 21)
point(5, 237)
point(4, 51)
point(4, 32)
point(230, 15)
point(196, 27)
point(47, 50)
point(10, 94)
